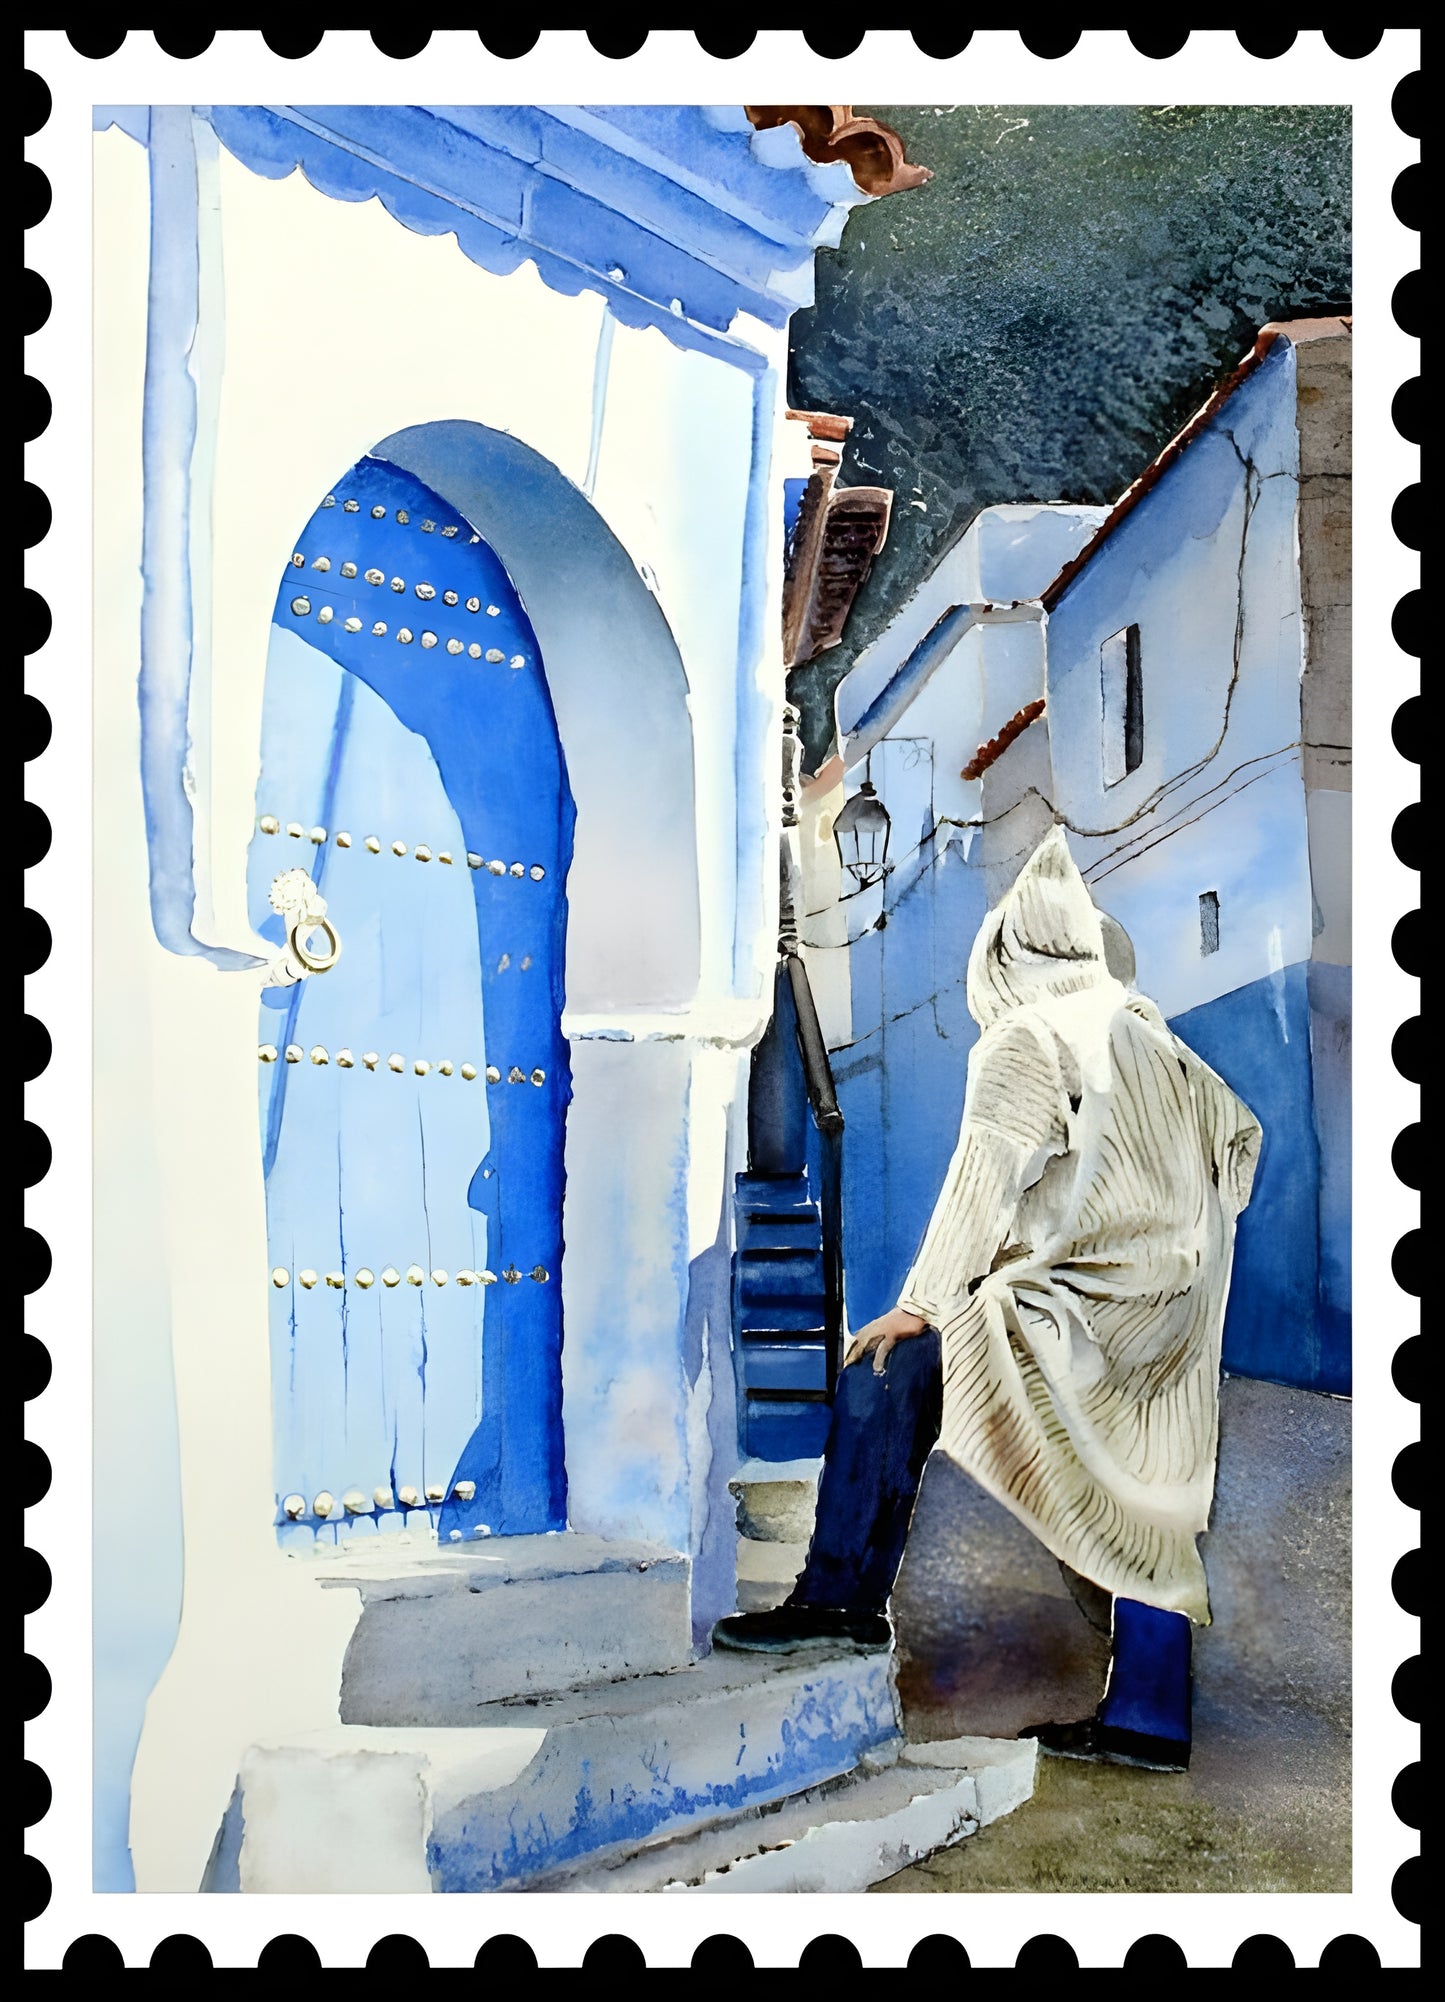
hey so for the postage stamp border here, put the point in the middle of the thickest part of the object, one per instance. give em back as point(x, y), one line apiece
point(670, 67)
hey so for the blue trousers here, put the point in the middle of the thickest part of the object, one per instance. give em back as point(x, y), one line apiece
point(882, 1431)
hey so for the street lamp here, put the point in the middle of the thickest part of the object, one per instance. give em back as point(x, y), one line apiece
point(861, 832)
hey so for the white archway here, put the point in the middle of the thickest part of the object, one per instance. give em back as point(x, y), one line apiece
point(620, 695)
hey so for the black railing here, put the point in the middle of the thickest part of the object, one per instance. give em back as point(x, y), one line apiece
point(828, 1118)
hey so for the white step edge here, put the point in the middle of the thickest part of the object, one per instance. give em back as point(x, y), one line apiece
point(1005, 1768)
point(807, 1472)
point(845, 1836)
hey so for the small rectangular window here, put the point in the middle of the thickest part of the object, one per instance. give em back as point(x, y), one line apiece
point(1208, 923)
point(1122, 676)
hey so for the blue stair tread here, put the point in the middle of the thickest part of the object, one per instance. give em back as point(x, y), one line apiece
point(759, 1309)
point(780, 1195)
point(778, 1367)
point(793, 1279)
point(781, 1317)
point(781, 1431)
point(781, 1238)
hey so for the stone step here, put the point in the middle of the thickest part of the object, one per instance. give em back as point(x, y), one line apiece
point(540, 1786)
point(763, 1597)
point(843, 1836)
point(445, 1629)
point(1004, 1769)
point(767, 1572)
point(764, 1563)
point(777, 1499)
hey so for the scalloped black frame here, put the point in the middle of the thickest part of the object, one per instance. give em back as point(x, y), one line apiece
point(506, 1953)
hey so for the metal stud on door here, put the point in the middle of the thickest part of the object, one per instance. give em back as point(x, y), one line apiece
point(414, 829)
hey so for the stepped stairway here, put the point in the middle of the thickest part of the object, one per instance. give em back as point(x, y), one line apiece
point(733, 1773)
point(780, 1313)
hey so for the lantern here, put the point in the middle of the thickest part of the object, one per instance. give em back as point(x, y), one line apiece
point(861, 832)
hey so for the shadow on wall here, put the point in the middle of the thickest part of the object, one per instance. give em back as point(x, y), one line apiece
point(712, 1426)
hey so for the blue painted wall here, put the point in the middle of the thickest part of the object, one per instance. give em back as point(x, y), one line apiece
point(1284, 1321)
point(1206, 568)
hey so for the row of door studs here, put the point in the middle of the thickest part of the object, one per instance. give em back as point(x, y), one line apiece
point(301, 609)
point(269, 824)
point(370, 1059)
point(381, 1500)
point(425, 591)
point(414, 1275)
point(403, 515)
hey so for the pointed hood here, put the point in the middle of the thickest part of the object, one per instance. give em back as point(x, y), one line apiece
point(1042, 941)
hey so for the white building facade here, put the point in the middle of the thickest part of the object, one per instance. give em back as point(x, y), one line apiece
point(441, 458)
point(1168, 678)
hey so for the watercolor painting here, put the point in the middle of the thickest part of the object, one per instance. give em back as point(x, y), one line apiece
point(723, 849)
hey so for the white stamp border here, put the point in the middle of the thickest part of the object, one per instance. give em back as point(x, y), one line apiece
point(672, 68)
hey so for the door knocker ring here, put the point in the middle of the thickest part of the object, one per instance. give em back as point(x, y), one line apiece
point(313, 962)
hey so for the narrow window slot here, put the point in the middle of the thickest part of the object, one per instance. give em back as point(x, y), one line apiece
point(1122, 688)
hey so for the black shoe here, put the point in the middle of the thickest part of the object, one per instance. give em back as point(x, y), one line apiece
point(1107, 1745)
point(796, 1629)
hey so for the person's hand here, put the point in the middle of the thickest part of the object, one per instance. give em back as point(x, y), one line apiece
point(879, 1337)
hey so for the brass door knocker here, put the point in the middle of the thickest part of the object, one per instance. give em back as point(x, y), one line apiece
point(303, 909)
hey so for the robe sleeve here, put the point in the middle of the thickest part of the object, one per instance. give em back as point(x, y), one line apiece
point(1014, 1112)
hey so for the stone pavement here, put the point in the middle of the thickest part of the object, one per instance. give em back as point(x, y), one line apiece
point(991, 1637)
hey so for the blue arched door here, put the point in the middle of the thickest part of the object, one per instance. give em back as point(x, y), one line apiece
point(413, 1094)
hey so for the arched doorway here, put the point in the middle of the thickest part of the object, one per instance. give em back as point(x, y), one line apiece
point(413, 1094)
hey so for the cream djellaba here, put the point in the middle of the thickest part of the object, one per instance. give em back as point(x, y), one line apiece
point(1077, 1262)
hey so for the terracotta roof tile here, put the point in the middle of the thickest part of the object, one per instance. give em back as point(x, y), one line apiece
point(989, 753)
point(872, 151)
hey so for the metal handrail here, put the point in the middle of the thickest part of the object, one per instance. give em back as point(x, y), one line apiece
point(817, 1071)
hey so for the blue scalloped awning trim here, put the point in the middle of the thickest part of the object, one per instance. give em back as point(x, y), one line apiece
point(667, 213)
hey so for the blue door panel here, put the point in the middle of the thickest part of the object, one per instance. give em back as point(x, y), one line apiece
point(430, 1139)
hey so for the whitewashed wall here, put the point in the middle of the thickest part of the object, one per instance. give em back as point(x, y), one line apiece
point(1007, 555)
point(327, 326)
point(1207, 566)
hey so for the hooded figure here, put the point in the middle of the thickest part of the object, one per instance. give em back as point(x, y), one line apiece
point(1059, 1332)
point(1077, 1262)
